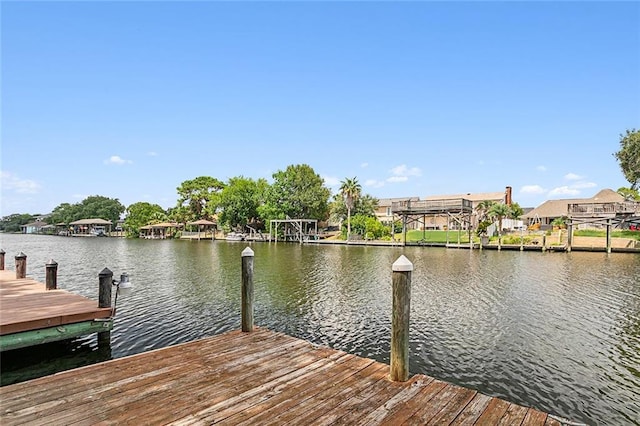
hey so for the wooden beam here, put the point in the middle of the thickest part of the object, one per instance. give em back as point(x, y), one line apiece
point(53, 334)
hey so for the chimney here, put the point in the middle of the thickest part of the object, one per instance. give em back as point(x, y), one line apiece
point(507, 196)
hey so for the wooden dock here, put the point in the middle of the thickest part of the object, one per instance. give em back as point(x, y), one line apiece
point(31, 314)
point(253, 378)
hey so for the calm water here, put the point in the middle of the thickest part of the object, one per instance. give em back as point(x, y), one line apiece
point(556, 331)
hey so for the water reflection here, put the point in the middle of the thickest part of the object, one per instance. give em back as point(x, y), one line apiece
point(557, 331)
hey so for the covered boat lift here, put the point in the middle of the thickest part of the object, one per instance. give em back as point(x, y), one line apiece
point(294, 230)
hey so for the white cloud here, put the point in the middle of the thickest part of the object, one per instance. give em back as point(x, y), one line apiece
point(374, 183)
point(396, 179)
point(541, 168)
point(331, 181)
point(152, 154)
point(117, 160)
point(532, 189)
point(564, 190)
point(79, 196)
point(14, 183)
point(572, 176)
point(364, 165)
point(403, 170)
point(583, 185)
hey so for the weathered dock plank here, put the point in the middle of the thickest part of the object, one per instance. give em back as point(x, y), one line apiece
point(254, 378)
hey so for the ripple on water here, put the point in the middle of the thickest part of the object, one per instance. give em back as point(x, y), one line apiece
point(559, 332)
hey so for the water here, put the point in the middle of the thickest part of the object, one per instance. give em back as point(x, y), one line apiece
point(556, 331)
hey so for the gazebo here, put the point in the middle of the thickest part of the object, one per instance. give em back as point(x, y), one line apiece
point(158, 231)
point(206, 229)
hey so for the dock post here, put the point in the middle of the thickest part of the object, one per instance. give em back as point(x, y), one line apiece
point(608, 235)
point(21, 265)
point(247, 290)
point(104, 301)
point(569, 236)
point(51, 279)
point(401, 283)
point(2, 253)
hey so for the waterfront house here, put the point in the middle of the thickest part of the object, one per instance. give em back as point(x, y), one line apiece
point(442, 221)
point(33, 227)
point(550, 210)
point(383, 210)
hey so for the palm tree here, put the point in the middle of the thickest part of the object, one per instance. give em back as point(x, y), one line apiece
point(350, 190)
point(482, 210)
point(499, 211)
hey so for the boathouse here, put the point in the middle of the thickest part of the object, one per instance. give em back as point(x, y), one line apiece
point(159, 231)
point(87, 227)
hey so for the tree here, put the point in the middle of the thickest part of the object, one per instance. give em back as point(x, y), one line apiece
point(515, 211)
point(64, 213)
point(199, 195)
point(240, 199)
point(297, 192)
point(141, 214)
point(97, 206)
point(180, 214)
point(629, 157)
point(482, 209)
point(369, 227)
point(94, 206)
point(366, 205)
point(350, 190)
point(12, 222)
point(499, 211)
point(482, 212)
point(629, 194)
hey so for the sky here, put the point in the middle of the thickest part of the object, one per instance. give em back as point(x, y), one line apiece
point(129, 99)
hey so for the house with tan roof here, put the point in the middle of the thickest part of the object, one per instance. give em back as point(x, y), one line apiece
point(454, 211)
point(383, 211)
point(550, 210)
point(475, 198)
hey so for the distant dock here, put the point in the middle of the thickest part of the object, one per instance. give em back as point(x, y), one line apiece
point(255, 378)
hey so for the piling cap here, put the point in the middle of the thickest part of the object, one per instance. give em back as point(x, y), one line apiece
point(402, 265)
point(105, 272)
point(2, 251)
point(52, 262)
point(247, 252)
point(21, 255)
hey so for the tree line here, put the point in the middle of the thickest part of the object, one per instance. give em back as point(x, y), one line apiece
point(296, 192)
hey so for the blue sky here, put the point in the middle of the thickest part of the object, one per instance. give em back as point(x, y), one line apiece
point(129, 99)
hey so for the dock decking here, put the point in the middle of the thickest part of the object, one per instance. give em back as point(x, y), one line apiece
point(26, 306)
point(254, 378)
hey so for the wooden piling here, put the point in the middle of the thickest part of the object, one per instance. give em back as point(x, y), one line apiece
point(608, 235)
point(2, 253)
point(51, 280)
point(104, 301)
point(247, 290)
point(104, 291)
point(569, 236)
point(21, 265)
point(401, 288)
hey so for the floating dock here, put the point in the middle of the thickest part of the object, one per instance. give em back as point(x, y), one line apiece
point(255, 378)
point(32, 315)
